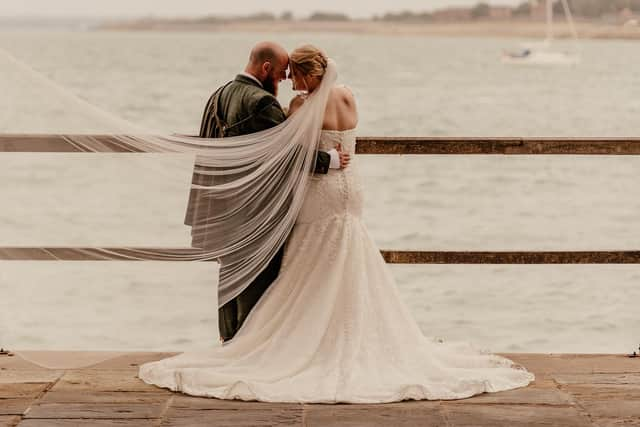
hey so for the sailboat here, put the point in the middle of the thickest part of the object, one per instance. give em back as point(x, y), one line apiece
point(544, 53)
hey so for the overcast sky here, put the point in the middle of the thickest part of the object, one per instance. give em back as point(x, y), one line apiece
point(361, 8)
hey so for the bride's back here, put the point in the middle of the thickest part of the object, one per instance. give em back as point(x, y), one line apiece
point(341, 113)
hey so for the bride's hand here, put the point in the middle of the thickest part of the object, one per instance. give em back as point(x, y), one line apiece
point(345, 157)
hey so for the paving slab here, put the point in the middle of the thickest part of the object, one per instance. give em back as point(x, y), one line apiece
point(576, 363)
point(96, 410)
point(14, 406)
point(22, 390)
point(15, 376)
point(16, 362)
point(609, 404)
point(550, 394)
point(87, 422)
point(9, 420)
point(292, 416)
point(204, 403)
point(406, 414)
point(82, 396)
point(464, 415)
point(132, 360)
point(67, 359)
point(98, 380)
point(631, 379)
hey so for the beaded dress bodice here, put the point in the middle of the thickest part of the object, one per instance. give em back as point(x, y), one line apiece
point(339, 192)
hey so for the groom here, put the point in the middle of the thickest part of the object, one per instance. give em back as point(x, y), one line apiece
point(247, 105)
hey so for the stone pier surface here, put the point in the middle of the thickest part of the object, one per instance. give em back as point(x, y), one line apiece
point(570, 390)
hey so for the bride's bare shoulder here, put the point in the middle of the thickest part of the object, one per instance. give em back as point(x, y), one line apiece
point(342, 95)
point(343, 91)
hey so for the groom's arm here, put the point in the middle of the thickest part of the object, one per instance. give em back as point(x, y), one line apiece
point(270, 114)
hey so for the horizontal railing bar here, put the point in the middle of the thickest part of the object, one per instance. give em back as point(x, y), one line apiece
point(390, 256)
point(366, 145)
point(64, 144)
point(504, 146)
point(512, 257)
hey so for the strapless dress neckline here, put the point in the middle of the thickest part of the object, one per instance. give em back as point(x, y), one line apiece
point(339, 131)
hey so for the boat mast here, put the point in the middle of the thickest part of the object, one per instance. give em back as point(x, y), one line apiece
point(567, 12)
point(549, 21)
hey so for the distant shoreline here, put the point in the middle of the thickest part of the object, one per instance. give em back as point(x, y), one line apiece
point(516, 29)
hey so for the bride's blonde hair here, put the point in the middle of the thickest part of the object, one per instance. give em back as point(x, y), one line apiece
point(309, 60)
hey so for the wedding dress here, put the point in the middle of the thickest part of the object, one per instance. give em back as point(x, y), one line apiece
point(333, 328)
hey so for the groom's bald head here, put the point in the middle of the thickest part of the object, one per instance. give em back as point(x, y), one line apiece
point(267, 51)
point(268, 62)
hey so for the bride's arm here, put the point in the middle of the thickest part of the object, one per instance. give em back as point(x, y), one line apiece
point(349, 100)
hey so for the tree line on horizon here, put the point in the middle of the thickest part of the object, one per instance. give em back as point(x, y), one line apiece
point(268, 16)
point(481, 10)
point(592, 8)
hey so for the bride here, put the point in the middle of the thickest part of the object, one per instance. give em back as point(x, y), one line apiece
point(332, 327)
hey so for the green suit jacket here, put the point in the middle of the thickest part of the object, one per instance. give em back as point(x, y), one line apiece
point(240, 107)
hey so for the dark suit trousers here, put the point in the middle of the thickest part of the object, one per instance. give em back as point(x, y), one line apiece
point(232, 315)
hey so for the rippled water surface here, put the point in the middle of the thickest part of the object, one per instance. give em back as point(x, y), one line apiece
point(404, 86)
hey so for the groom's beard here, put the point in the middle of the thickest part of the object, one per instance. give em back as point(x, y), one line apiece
point(270, 86)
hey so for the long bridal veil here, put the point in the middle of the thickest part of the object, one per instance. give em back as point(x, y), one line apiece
point(252, 189)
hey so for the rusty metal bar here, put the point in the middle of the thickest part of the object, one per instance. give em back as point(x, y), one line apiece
point(366, 145)
point(64, 144)
point(504, 146)
point(512, 257)
point(391, 257)
point(96, 254)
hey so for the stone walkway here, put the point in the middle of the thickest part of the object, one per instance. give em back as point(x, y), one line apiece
point(570, 390)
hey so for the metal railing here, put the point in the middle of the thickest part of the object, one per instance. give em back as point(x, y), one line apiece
point(365, 145)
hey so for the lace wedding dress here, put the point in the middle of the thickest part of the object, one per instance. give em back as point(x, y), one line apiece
point(332, 327)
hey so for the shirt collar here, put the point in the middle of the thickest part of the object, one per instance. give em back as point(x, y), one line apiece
point(252, 77)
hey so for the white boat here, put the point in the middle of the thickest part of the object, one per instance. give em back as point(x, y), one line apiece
point(546, 53)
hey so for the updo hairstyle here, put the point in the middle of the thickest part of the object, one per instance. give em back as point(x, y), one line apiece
point(308, 60)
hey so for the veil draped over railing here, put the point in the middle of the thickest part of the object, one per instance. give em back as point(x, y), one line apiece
point(257, 183)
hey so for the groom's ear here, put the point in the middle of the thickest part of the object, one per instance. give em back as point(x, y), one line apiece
point(266, 67)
